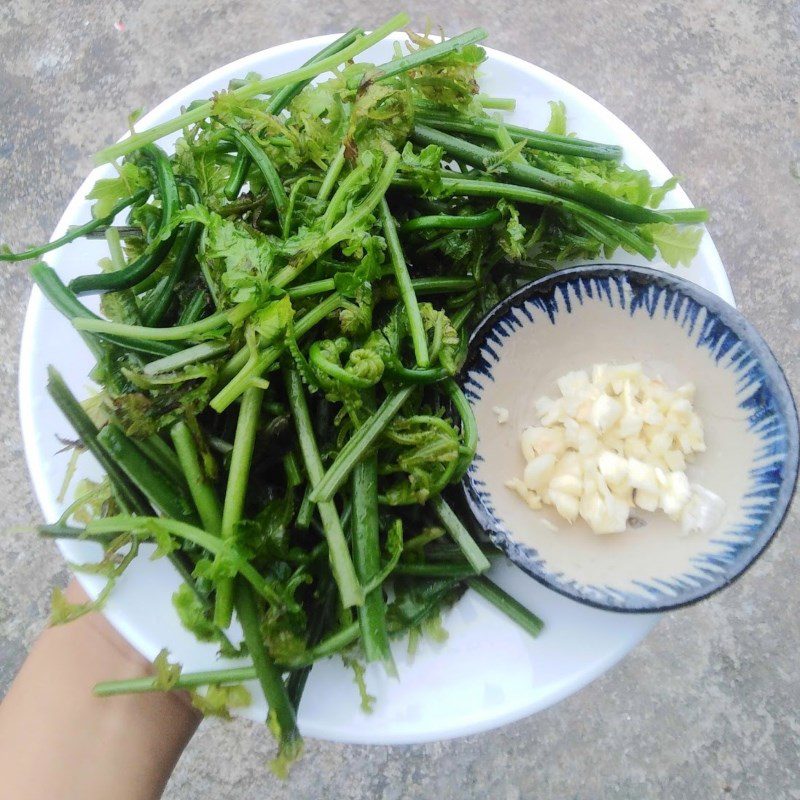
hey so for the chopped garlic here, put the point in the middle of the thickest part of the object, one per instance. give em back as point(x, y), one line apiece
point(613, 441)
point(614, 468)
point(642, 476)
point(566, 504)
point(531, 498)
point(536, 441)
point(647, 501)
point(605, 412)
point(501, 414)
point(573, 383)
point(703, 512)
point(550, 526)
point(539, 471)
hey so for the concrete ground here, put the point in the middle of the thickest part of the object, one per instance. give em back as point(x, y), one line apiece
point(708, 706)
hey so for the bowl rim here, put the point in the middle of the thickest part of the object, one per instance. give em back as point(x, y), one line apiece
point(731, 317)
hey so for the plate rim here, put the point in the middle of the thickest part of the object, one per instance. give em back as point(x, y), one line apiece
point(715, 270)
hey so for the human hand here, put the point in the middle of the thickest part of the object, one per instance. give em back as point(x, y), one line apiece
point(57, 740)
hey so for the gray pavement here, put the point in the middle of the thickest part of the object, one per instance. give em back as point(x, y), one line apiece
point(708, 706)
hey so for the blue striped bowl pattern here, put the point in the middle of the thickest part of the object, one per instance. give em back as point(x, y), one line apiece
point(729, 341)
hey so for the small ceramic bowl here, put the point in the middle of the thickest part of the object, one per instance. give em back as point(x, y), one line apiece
point(614, 313)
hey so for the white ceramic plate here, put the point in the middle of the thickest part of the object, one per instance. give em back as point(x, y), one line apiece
point(489, 672)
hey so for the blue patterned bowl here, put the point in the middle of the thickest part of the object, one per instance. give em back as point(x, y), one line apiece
point(616, 313)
